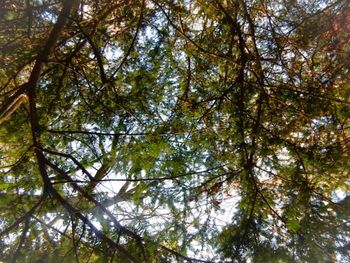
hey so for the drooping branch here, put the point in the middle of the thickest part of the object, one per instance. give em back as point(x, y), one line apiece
point(23, 217)
point(93, 200)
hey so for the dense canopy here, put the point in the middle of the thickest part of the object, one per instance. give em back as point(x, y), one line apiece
point(174, 131)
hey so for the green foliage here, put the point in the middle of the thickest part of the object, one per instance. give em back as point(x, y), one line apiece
point(174, 131)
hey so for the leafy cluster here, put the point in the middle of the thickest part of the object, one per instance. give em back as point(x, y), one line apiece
point(174, 131)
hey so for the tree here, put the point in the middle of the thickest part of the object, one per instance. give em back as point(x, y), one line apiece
point(174, 131)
